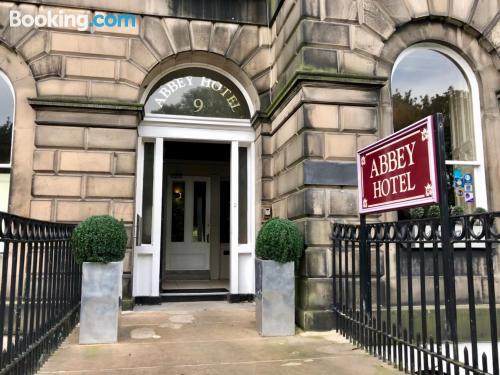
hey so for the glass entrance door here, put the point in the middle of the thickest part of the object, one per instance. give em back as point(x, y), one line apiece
point(188, 224)
point(173, 231)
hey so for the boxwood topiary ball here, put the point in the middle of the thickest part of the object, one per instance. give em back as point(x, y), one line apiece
point(280, 240)
point(100, 239)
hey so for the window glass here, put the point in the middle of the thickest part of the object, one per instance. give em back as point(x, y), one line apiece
point(426, 82)
point(147, 192)
point(197, 92)
point(462, 186)
point(242, 196)
point(225, 193)
point(199, 211)
point(4, 191)
point(178, 209)
point(6, 120)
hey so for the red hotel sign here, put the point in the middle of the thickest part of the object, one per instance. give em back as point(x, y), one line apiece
point(399, 170)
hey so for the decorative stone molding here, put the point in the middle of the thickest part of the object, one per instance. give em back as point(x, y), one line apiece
point(20, 76)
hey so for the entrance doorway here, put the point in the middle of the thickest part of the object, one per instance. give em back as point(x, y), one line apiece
point(195, 207)
point(195, 218)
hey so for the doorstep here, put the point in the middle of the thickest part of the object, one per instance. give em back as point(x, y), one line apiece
point(209, 338)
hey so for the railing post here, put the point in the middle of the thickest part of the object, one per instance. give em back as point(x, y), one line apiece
point(489, 223)
point(334, 277)
point(447, 252)
point(364, 271)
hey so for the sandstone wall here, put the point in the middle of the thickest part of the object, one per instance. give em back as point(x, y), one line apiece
point(330, 95)
point(77, 95)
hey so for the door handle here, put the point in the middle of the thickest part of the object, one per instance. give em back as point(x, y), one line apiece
point(208, 237)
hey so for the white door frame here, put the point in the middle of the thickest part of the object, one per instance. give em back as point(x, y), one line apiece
point(239, 133)
point(147, 256)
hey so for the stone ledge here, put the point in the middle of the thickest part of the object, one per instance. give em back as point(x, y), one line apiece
point(87, 118)
point(301, 76)
point(83, 102)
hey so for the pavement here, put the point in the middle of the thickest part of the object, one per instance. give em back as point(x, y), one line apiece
point(212, 338)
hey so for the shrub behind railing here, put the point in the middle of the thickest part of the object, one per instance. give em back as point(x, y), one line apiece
point(396, 300)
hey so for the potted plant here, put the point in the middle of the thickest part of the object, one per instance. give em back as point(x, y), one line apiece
point(279, 247)
point(99, 243)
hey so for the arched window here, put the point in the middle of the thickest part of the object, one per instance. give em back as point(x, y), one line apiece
point(429, 78)
point(6, 132)
point(197, 92)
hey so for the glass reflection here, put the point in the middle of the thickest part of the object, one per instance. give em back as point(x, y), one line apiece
point(178, 204)
point(242, 196)
point(425, 82)
point(6, 116)
point(147, 192)
point(199, 211)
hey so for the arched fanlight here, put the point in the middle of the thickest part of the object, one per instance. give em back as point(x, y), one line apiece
point(197, 92)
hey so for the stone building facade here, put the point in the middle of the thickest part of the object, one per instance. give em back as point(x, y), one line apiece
point(316, 76)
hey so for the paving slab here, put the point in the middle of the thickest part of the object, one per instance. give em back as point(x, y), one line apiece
point(209, 338)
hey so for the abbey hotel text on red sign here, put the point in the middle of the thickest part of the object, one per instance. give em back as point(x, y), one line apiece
point(399, 170)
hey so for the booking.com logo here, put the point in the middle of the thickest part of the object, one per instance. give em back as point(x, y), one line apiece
point(81, 22)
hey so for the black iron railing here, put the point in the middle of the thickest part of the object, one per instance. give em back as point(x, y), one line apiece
point(39, 291)
point(395, 296)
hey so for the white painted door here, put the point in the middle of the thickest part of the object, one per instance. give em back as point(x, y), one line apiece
point(188, 224)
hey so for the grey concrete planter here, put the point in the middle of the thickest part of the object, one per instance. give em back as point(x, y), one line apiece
point(275, 298)
point(101, 302)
